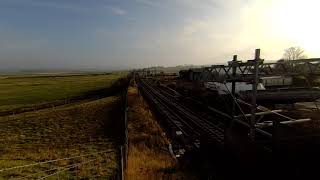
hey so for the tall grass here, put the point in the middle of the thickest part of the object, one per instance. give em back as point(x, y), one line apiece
point(148, 157)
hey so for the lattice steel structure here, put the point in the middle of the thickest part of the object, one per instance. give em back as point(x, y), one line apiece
point(244, 70)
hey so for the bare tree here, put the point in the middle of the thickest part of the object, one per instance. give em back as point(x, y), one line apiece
point(294, 53)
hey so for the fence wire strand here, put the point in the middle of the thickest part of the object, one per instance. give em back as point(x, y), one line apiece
point(54, 160)
point(68, 168)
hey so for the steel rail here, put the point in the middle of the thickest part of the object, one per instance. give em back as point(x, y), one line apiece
point(213, 131)
point(173, 114)
point(162, 108)
point(203, 119)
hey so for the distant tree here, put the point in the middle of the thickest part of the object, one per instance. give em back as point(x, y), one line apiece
point(290, 54)
point(294, 53)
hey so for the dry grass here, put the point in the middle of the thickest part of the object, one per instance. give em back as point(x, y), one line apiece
point(148, 148)
point(62, 132)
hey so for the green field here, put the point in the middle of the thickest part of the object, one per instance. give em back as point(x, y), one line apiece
point(18, 92)
point(89, 122)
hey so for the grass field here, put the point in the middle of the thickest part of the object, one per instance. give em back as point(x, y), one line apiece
point(90, 126)
point(22, 93)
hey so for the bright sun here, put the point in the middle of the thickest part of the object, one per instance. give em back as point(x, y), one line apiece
point(298, 22)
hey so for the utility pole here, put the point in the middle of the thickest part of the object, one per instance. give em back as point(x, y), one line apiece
point(254, 94)
point(229, 124)
point(233, 88)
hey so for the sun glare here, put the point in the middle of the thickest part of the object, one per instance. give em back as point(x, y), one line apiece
point(298, 22)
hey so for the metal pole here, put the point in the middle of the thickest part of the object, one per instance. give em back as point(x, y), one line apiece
point(229, 124)
point(228, 128)
point(254, 94)
point(233, 88)
point(121, 163)
point(275, 137)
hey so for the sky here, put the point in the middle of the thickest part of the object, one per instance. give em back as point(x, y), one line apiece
point(120, 34)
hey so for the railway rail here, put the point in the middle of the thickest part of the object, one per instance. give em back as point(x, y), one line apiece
point(197, 128)
point(195, 117)
point(179, 119)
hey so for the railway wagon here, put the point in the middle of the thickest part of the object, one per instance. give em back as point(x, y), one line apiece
point(276, 81)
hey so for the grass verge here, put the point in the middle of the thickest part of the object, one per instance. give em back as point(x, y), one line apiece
point(148, 155)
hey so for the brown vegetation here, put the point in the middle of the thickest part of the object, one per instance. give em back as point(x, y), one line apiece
point(148, 156)
point(61, 132)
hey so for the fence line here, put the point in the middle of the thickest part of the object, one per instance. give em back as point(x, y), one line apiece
point(124, 146)
point(65, 169)
point(58, 168)
point(26, 177)
point(54, 160)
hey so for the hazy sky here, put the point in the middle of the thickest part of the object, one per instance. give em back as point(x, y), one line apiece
point(138, 33)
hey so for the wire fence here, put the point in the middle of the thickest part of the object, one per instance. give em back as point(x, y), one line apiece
point(94, 157)
point(51, 169)
point(124, 144)
point(68, 168)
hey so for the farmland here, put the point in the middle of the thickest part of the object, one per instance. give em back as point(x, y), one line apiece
point(61, 116)
point(23, 93)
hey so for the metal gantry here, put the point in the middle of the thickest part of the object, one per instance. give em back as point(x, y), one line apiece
point(291, 67)
point(249, 71)
point(245, 70)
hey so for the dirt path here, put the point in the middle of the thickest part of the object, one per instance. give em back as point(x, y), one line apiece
point(148, 156)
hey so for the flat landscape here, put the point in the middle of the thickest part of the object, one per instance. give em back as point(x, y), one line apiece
point(159, 90)
point(25, 92)
point(62, 116)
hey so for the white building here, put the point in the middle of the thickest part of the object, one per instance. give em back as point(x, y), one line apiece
point(226, 88)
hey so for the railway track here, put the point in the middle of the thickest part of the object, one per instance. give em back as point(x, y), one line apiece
point(192, 129)
point(179, 120)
